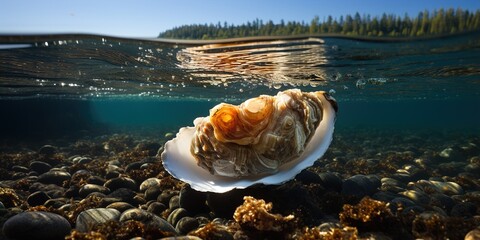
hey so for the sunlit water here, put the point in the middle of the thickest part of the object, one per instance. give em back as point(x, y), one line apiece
point(71, 84)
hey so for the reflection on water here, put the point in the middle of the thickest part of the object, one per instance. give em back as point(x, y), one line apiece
point(279, 61)
point(96, 66)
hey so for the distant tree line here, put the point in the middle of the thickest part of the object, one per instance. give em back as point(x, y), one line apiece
point(424, 24)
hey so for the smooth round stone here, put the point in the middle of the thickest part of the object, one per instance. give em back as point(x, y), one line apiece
point(121, 182)
point(56, 202)
point(112, 174)
point(176, 215)
point(392, 185)
point(120, 206)
point(464, 209)
point(400, 202)
point(47, 150)
point(37, 198)
point(54, 177)
point(174, 202)
point(186, 224)
point(36, 225)
point(96, 180)
point(21, 169)
point(441, 200)
point(449, 188)
point(473, 235)
point(89, 188)
point(165, 196)
point(156, 208)
point(133, 166)
point(148, 183)
point(124, 194)
point(181, 238)
point(81, 160)
point(451, 153)
point(93, 216)
point(152, 193)
point(361, 185)
point(192, 200)
point(418, 197)
point(331, 181)
point(308, 177)
point(148, 219)
point(385, 196)
point(40, 167)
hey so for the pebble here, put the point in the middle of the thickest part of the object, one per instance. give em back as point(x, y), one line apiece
point(473, 235)
point(441, 200)
point(36, 225)
point(417, 196)
point(93, 216)
point(148, 183)
point(89, 188)
point(40, 167)
point(361, 185)
point(308, 177)
point(183, 238)
point(56, 177)
point(148, 219)
point(121, 182)
point(156, 208)
point(96, 180)
point(17, 168)
point(187, 224)
point(56, 202)
point(392, 185)
point(176, 215)
point(165, 196)
point(124, 195)
point(54, 191)
point(331, 181)
point(47, 150)
point(464, 210)
point(120, 206)
point(37, 198)
point(152, 193)
point(449, 188)
point(174, 202)
point(193, 200)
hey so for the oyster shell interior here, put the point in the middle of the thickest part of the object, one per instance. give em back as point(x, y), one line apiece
point(180, 163)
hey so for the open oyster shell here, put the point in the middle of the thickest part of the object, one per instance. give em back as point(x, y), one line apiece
point(268, 139)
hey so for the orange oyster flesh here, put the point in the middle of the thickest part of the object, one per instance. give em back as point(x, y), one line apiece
point(268, 139)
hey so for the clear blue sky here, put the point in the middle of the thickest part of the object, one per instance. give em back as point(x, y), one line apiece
point(146, 18)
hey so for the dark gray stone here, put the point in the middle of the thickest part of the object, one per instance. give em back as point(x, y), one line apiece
point(47, 150)
point(124, 194)
point(361, 185)
point(40, 167)
point(121, 182)
point(120, 206)
point(193, 201)
point(187, 224)
point(89, 188)
point(156, 208)
point(37, 198)
point(36, 225)
point(148, 183)
point(148, 219)
point(90, 217)
point(176, 215)
point(152, 193)
point(165, 196)
point(54, 177)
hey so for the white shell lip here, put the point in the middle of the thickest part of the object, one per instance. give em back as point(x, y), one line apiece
point(181, 164)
